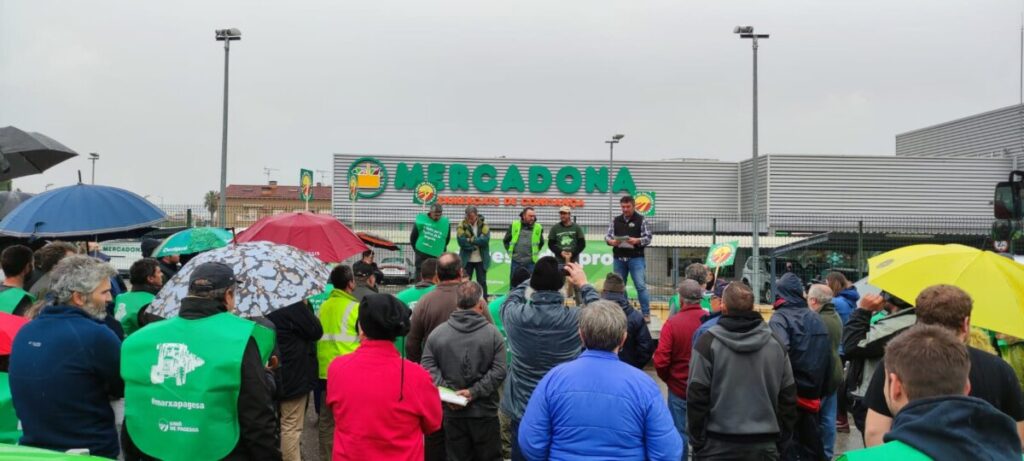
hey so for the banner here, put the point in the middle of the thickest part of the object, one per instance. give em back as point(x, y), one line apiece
point(305, 185)
point(596, 260)
point(722, 254)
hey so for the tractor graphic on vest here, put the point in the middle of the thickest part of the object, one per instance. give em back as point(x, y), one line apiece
point(174, 360)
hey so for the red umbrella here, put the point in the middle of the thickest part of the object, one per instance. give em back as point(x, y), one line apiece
point(9, 326)
point(320, 235)
point(377, 241)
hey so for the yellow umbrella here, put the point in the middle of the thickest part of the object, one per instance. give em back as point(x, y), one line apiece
point(995, 283)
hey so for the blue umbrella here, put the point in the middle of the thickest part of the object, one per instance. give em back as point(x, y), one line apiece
point(81, 210)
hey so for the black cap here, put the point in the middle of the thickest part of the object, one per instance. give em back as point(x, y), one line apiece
point(148, 246)
point(362, 269)
point(212, 276)
point(383, 316)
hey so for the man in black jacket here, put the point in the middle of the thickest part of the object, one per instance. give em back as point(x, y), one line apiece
point(258, 433)
point(297, 332)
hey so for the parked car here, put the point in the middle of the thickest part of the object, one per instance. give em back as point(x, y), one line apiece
point(397, 271)
point(782, 265)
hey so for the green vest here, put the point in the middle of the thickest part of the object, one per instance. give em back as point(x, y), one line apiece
point(517, 226)
point(432, 235)
point(338, 316)
point(10, 428)
point(127, 307)
point(317, 300)
point(10, 298)
point(410, 296)
point(495, 308)
point(894, 450)
point(182, 380)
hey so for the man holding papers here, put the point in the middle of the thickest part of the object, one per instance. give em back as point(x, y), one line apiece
point(467, 355)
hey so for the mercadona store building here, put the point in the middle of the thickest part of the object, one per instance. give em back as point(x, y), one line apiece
point(820, 212)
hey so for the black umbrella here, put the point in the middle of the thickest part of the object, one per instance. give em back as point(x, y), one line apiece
point(10, 200)
point(26, 154)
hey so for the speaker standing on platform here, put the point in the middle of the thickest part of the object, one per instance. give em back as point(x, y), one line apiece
point(628, 234)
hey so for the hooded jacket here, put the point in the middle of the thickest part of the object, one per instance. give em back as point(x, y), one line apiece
point(949, 427)
point(542, 333)
point(805, 338)
point(741, 384)
point(846, 302)
point(467, 352)
point(639, 346)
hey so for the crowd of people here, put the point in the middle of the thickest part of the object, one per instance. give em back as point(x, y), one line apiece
point(441, 371)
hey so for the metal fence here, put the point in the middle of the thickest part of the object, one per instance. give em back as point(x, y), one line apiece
point(811, 244)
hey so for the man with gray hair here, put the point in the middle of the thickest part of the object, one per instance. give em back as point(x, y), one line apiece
point(819, 298)
point(598, 406)
point(467, 354)
point(66, 364)
point(699, 273)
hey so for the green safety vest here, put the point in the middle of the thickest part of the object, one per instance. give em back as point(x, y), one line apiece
point(432, 235)
point(495, 308)
point(894, 450)
point(534, 238)
point(10, 428)
point(338, 316)
point(127, 307)
point(182, 380)
point(10, 298)
point(410, 296)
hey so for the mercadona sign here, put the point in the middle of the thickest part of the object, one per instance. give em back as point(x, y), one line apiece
point(372, 178)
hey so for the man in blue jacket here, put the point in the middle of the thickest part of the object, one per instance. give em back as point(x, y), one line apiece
point(66, 364)
point(542, 333)
point(598, 407)
point(805, 338)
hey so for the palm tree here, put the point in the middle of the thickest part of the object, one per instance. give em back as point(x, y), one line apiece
point(211, 202)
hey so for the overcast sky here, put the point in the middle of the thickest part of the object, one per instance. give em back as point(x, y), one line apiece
point(141, 82)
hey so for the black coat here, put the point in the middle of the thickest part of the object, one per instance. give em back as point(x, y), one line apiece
point(297, 332)
point(259, 437)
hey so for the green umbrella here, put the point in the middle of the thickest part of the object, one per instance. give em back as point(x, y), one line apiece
point(29, 453)
point(194, 240)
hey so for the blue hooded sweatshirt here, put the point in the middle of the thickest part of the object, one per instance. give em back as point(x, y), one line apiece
point(845, 302)
point(805, 337)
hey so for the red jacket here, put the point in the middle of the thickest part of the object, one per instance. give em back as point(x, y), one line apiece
point(672, 358)
point(370, 422)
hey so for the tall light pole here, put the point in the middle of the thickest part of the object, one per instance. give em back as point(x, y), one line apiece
point(93, 157)
point(748, 32)
point(226, 36)
point(611, 163)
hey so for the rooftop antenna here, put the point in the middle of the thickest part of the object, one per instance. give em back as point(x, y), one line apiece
point(267, 172)
point(323, 174)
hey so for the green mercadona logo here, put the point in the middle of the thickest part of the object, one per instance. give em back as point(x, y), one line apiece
point(369, 176)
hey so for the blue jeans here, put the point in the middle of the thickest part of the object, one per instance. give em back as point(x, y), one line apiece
point(827, 424)
point(677, 408)
point(515, 266)
point(635, 267)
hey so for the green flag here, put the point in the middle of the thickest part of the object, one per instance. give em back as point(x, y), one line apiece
point(722, 254)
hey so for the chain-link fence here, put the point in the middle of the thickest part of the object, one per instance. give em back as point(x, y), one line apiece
point(811, 245)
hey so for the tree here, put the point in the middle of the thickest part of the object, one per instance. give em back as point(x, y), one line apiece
point(211, 201)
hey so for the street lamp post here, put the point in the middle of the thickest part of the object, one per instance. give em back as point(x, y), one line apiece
point(611, 163)
point(93, 157)
point(748, 32)
point(226, 36)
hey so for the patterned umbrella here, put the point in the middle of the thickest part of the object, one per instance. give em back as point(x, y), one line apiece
point(272, 276)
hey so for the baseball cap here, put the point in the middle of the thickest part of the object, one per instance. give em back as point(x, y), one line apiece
point(361, 269)
point(691, 290)
point(565, 209)
point(212, 276)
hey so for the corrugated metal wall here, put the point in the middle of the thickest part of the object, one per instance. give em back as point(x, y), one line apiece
point(746, 185)
point(990, 134)
point(697, 186)
point(883, 185)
